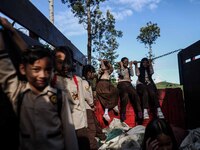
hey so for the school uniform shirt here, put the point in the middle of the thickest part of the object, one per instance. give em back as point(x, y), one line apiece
point(87, 90)
point(125, 73)
point(106, 75)
point(76, 99)
point(41, 128)
point(137, 72)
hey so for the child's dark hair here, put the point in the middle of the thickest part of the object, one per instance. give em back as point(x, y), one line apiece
point(86, 69)
point(156, 127)
point(123, 58)
point(143, 60)
point(34, 53)
point(69, 57)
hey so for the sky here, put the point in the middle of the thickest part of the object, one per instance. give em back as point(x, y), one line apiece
point(178, 20)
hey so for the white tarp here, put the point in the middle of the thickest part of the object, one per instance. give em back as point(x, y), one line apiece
point(121, 137)
point(191, 141)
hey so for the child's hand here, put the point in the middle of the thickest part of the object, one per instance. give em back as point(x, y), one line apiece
point(150, 61)
point(7, 25)
point(100, 71)
point(135, 62)
point(130, 63)
point(93, 108)
point(152, 145)
point(121, 65)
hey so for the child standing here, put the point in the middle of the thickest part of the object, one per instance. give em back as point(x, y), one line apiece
point(71, 84)
point(94, 128)
point(35, 101)
point(107, 94)
point(146, 87)
point(126, 90)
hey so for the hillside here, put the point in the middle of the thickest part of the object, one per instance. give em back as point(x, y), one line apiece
point(164, 84)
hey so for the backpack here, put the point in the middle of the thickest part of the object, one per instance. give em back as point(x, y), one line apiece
point(59, 102)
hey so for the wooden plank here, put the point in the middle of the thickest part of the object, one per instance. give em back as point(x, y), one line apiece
point(27, 15)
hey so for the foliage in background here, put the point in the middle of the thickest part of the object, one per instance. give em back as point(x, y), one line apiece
point(101, 30)
point(85, 10)
point(148, 36)
point(105, 37)
point(102, 35)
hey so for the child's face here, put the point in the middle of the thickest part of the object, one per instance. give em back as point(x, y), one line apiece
point(125, 63)
point(165, 142)
point(39, 73)
point(63, 63)
point(90, 75)
point(145, 64)
point(60, 58)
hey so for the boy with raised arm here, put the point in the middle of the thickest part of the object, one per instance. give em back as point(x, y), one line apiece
point(35, 102)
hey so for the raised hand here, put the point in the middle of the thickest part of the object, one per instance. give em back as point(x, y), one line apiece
point(7, 25)
point(135, 62)
point(152, 145)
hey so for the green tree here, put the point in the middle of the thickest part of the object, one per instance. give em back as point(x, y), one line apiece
point(105, 40)
point(148, 36)
point(85, 11)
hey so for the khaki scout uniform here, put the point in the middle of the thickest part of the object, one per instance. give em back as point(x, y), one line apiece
point(87, 90)
point(41, 128)
point(76, 99)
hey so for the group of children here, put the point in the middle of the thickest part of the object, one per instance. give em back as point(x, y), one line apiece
point(143, 97)
point(158, 133)
point(55, 107)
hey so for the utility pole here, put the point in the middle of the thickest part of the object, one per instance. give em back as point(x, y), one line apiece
point(51, 11)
